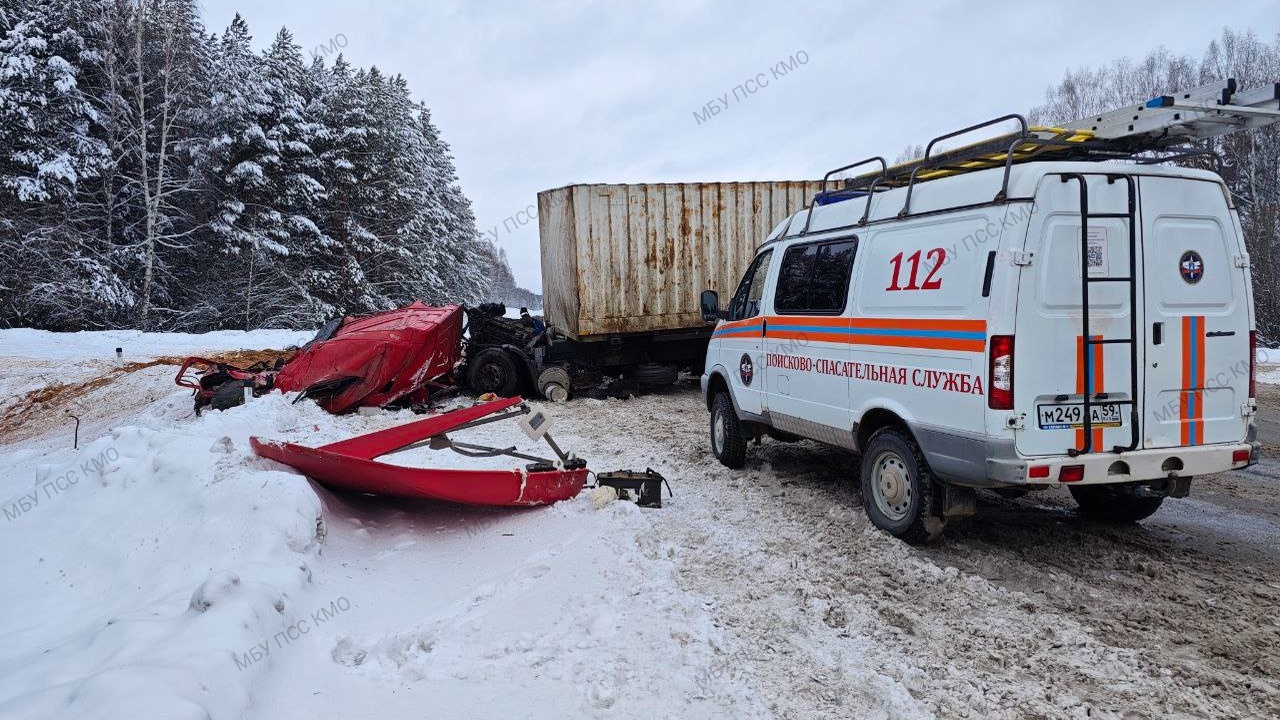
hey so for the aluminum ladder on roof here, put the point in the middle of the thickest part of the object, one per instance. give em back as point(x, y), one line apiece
point(1163, 123)
point(1204, 112)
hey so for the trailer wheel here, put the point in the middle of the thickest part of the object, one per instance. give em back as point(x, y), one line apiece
point(492, 370)
point(727, 441)
point(554, 384)
point(1114, 503)
point(898, 491)
point(654, 374)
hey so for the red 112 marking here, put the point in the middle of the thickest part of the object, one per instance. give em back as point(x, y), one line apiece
point(938, 255)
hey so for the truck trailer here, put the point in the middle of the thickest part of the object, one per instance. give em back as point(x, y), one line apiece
point(623, 266)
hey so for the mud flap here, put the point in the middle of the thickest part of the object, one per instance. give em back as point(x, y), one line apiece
point(957, 501)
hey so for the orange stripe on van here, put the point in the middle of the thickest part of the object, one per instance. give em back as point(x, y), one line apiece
point(921, 324)
point(1191, 394)
point(920, 333)
point(1199, 378)
point(803, 337)
point(923, 343)
point(740, 328)
point(1098, 384)
point(1185, 401)
point(1094, 386)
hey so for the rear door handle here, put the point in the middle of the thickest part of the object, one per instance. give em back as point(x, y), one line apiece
point(1157, 333)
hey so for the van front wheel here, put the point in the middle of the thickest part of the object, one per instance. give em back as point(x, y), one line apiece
point(898, 491)
point(727, 441)
point(1113, 503)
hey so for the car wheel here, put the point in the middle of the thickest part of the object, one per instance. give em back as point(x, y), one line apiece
point(898, 491)
point(493, 371)
point(727, 441)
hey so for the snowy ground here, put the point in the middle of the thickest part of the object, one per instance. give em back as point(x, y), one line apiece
point(46, 358)
point(1269, 366)
point(160, 570)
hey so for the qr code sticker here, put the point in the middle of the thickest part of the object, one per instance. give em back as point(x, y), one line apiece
point(1095, 255)
point(1095, 251)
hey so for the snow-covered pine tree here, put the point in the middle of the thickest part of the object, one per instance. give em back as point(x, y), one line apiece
point(388, 196)
point(341, 109)
point(154, 176)
point(45, 119)
point(48, 148)
point(241, 247)
point(290, 194)
point(458, 254)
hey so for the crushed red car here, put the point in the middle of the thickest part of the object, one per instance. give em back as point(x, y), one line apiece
point(400, 356)
point(396, 356)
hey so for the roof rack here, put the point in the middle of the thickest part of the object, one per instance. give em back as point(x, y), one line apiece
point(1163, 124)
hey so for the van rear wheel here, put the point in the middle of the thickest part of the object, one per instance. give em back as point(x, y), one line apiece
point(728, 443)
point(1114, 503)
point(898, 491)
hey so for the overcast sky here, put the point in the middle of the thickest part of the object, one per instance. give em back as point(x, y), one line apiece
point(537, 95)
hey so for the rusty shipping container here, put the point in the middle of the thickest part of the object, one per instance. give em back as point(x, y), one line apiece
point(623, 259)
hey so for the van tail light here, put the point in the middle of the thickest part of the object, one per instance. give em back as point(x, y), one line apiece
point(1000, 373)
point(1239, 456)
point(1253, 363)
point(1071, 473)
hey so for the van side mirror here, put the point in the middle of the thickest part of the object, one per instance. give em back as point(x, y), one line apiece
point(710, 306)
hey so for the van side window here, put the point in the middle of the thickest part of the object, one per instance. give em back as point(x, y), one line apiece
point(814, 278)
point(746, 301)
point(793, 278)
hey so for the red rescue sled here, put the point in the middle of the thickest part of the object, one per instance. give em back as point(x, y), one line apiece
point(350, 464)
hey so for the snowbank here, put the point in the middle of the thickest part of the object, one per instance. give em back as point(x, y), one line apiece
point(135, 345)
point(146, 564)
point(32, 360)
point(1268, 367)
point(1269, 374)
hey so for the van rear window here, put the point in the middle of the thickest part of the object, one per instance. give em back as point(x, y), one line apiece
point(814, 278)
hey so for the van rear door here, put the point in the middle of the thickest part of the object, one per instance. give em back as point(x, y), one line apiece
point(1052, 370)
point(1197, 366)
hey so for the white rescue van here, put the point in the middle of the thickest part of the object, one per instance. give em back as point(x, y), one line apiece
point(1051, 307)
